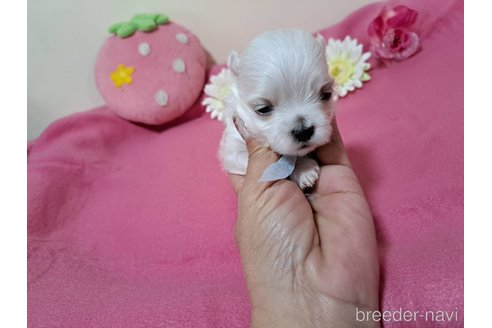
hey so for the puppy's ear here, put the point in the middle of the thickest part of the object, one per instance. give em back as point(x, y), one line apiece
point(320, 40)
point(233, 62)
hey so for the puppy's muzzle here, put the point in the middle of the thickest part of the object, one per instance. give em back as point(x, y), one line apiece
point(303, 134)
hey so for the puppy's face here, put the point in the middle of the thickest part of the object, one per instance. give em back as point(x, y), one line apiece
point(284, 91)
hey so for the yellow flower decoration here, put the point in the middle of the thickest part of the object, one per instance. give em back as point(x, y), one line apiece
point(218, 90)
point(122, 75)
point(347, 65)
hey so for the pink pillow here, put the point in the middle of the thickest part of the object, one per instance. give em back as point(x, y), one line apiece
point(151, 77)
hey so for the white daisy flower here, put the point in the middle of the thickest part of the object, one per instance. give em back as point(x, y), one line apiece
point(217, 91)
point(347, 65)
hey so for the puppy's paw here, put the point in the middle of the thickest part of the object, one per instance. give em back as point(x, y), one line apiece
point(306, 173)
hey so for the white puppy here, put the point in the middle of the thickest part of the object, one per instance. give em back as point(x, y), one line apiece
point(282, 94)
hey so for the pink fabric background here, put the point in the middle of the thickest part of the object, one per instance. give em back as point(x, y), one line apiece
point(131, 226)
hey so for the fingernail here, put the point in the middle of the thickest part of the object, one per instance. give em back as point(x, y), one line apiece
point(241, 128)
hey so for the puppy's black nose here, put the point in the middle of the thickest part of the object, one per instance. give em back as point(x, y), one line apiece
point(303, 134)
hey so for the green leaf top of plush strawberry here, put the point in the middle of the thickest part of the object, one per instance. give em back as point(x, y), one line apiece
point(141, 22)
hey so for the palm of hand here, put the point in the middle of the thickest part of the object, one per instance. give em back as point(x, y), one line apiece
point(316, 255)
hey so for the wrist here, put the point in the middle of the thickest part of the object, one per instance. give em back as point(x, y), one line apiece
point(275, 318)
point(293, 311)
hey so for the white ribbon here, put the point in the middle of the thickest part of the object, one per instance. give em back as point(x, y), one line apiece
point(279, 170)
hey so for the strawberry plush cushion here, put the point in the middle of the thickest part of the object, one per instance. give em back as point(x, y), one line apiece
point(130, 226)
point(151, 77)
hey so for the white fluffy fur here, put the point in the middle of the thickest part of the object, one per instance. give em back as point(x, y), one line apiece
point(286, 69)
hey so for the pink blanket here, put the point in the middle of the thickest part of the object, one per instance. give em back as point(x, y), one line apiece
point(131, 226)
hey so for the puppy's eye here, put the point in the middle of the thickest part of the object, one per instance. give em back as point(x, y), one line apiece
point(325, 95)
point(263, 109)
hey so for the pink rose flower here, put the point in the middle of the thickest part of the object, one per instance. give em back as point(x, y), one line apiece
point(390, 33)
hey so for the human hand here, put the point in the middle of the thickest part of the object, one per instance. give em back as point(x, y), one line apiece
point(308, 261)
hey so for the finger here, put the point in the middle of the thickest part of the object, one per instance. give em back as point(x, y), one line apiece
point(241, 128)
point(259, 158)
point(333, 153)
point(236, 181)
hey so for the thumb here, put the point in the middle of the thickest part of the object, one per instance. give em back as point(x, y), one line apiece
point(259, 158)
